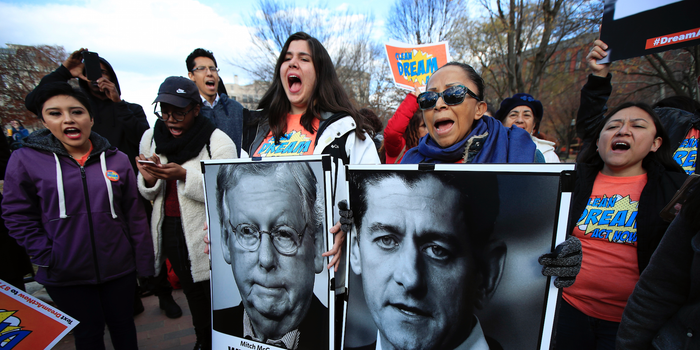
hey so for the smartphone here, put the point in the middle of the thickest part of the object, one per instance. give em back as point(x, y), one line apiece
point(93, 71)
point(146, 162)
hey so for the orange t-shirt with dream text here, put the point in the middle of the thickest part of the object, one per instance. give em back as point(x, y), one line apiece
point(608, 233)
point(296, 141)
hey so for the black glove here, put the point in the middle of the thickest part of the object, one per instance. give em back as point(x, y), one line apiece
point(345, 216)
point(564, 262)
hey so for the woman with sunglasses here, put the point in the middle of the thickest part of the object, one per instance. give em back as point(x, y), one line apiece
point(171, 177)
point(458, 132)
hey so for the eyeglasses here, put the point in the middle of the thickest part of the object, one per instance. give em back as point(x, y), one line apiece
point(453, 95)
point(203, 69)
point(177, 115)
point(285, 239)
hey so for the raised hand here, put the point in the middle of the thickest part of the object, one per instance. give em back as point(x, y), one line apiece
point(598, 52)
point(74, 63)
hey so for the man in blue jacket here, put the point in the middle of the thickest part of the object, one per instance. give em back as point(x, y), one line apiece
point(227, 114)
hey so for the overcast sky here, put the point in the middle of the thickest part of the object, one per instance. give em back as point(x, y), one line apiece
point(148, 40)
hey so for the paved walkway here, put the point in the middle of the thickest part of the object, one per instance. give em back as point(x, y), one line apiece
point(155, 331)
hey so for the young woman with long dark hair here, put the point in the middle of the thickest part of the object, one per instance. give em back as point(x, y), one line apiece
point(307, 111)
point(624, 178)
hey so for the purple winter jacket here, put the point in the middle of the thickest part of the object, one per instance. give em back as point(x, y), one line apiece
point(77, 224)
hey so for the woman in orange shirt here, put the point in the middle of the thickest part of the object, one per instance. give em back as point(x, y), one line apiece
point(624, 178)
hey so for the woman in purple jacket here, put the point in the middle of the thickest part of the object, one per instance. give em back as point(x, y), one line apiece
point(71, 201)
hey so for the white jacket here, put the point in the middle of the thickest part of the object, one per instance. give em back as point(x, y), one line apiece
point(547, 149)
point(359, 151)
point(190, 195)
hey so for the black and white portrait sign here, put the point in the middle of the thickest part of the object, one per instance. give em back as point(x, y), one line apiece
point(446, 258)
point(268, 228)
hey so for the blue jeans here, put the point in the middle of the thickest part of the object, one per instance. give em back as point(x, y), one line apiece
point(578, 331)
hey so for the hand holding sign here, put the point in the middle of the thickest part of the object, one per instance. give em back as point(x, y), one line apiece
point(595, 59)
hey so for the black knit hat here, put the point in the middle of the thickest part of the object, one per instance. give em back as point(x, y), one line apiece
point(520, 99)
point(179, 92)
point(35, 100)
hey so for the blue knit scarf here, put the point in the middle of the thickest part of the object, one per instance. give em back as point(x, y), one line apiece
point(502, 145)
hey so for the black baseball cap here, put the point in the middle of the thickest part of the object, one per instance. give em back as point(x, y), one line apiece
point(179, 92)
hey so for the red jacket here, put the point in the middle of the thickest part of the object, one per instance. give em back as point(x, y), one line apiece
point(396, 127)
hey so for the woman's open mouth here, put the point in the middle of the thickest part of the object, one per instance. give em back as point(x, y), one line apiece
point(72, 133)
point(175, 131)
point(294, 83)
point(444, 126)
point(620, 146)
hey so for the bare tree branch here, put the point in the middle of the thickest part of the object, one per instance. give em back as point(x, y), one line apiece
point(424, 21)
point(346, 36)
point(520, 37)
point(21, 69)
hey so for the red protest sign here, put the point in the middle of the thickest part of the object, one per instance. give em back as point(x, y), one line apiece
point(29, 323)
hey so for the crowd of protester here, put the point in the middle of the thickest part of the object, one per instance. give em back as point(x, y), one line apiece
point(142, 196)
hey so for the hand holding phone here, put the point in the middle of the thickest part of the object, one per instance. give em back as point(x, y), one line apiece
point(93, 70)
point(74, 63)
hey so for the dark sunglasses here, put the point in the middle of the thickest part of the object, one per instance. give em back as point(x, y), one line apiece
point(453, 95)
